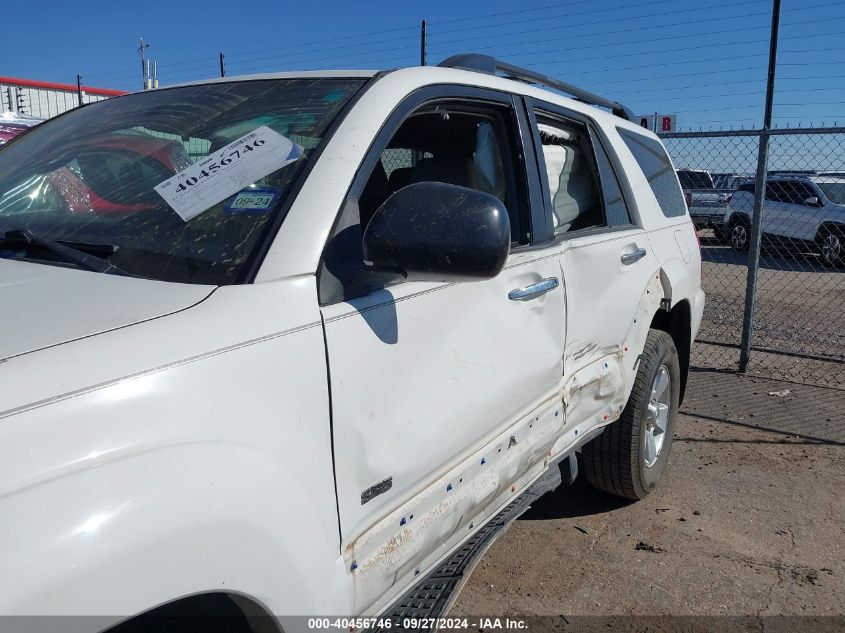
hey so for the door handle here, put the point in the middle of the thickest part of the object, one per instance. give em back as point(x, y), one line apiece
point(633, 256)
point(534, 290)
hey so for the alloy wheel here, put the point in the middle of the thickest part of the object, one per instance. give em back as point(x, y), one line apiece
point(657, 416)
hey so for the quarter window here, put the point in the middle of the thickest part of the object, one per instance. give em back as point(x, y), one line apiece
point(657, 168)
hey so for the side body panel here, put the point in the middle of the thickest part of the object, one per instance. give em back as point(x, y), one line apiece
point(672, 240)
point(179, 456)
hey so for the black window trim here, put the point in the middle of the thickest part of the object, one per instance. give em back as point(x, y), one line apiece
point(524, 159)
point(596, 135)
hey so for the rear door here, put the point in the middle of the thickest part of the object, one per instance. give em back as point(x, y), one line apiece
point(443, 395)
point(605, 257)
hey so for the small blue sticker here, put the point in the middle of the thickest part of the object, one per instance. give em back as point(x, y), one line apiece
point(334, 96)
point(253, 201)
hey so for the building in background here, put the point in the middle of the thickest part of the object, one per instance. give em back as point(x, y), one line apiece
point(44, 99)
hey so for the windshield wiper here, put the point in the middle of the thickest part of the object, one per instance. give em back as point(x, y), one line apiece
point(72, 252)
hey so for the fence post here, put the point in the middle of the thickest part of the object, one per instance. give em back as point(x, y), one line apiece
point(422, 44)
point(222, 67)
point(79, 88)
point(759, 196)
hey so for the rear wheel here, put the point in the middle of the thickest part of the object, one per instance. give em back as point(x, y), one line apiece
point(831, 241)
point(629, 457)
point(740, 233)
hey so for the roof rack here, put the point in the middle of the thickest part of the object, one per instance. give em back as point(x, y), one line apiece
point(490, 65)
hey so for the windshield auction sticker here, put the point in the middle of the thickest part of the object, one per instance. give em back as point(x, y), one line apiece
point(227, 171)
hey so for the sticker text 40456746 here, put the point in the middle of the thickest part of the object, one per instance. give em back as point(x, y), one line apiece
point(227, 171)
point(214, 167)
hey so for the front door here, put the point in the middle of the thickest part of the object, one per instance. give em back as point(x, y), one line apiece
point(443, 395)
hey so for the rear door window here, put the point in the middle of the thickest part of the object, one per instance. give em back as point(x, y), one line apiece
point(657, 168)
point(581, 184)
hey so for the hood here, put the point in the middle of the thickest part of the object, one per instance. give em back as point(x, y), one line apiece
point(44, 305)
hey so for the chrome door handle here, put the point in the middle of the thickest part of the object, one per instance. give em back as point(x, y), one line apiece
point(534, 290)
point(633, 256)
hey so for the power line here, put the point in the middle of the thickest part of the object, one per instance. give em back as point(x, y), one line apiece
point(294, 59)
point(570, 15)
point(199, 63)
point(601, 21)
point(496, 15)
point(650, 39)
point(641, 28)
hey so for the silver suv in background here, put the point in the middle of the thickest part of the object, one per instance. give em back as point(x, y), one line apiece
point(706, 203)
point(804, 213)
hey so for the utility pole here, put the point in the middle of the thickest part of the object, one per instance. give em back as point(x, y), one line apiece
point(79, 88)
point(222, 67)
point(144, 68)
point(759, 195)
point(422, 43)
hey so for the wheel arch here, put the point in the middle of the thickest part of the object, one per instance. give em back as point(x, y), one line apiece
point(207, 612)
point(826, 225)
point(677, 322)
point(735, 216)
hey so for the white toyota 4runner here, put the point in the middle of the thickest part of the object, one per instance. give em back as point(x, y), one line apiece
point(304, 343)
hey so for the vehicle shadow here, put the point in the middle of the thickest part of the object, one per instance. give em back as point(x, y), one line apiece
point(772, 258)
point(774, 255)
point(577, 500)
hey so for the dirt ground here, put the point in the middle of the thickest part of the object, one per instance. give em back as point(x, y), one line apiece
point(749, 520)
point(799, 311)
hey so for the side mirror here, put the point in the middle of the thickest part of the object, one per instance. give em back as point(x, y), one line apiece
point(812, 201)
point(437, 232)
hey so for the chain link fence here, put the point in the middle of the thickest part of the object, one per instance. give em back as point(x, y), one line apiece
point(798, 329)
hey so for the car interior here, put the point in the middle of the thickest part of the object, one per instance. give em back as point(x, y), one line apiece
point(455, 144)
point(573, 185)
point(444, 145)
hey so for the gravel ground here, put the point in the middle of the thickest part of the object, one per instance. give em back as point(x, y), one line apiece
point(748, 521)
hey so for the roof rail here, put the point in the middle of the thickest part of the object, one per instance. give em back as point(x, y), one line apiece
point(490, 65)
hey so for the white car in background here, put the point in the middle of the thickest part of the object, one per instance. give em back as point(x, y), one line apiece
point(799, 212)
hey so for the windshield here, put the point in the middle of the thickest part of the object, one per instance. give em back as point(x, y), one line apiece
point(695, 180)
point(183, 182)
point(835, 191)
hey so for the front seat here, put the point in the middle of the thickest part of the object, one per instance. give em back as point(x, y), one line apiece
point(453, 170)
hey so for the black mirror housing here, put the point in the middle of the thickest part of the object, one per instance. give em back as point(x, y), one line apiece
point(434, 231)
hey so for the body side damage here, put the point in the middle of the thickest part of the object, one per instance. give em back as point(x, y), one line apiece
point(387, 556)
point(596, 391)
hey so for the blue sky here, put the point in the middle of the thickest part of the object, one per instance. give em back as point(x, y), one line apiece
point(704, 61)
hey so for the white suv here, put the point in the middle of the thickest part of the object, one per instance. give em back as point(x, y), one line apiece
point(305, 343)
point(804, 212)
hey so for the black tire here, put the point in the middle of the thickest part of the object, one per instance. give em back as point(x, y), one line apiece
point(831, 242)
point(615, 462)
point(739, 233)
